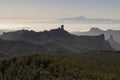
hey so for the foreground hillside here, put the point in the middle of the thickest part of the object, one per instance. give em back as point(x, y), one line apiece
point(87, 66)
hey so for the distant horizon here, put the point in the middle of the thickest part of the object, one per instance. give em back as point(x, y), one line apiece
point(77, 15)
point(56, 9)
point(48, 26)
point(64, 20)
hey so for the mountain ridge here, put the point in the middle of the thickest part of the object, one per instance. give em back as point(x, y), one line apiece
point(59, 40)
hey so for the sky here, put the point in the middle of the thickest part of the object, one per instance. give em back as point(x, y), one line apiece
point(57, 9)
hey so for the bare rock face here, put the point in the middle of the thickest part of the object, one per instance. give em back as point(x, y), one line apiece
point(114, 44)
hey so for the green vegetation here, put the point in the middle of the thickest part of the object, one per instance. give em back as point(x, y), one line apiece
point(87, 66)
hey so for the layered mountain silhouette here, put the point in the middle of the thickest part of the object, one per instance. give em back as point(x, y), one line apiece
point(56, 40)
point(109, 34)
point(97, 31)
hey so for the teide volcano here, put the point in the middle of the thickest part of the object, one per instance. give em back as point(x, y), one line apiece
point(59, 40)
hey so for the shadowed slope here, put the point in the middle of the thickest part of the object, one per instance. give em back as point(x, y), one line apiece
point(59, 40)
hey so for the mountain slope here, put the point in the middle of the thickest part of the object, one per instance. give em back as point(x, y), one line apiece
point(8, 48)
point(59, 40)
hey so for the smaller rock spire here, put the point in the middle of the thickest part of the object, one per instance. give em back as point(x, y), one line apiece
point(111, 37)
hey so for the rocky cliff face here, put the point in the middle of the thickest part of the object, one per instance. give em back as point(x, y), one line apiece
point(113, 43)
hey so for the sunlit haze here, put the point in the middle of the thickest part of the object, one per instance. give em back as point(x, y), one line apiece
point(42, 15)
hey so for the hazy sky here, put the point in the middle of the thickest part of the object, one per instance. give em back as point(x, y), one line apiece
point(55, 9)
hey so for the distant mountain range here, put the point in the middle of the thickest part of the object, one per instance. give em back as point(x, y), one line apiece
point(55, 41)
point(89, 20)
